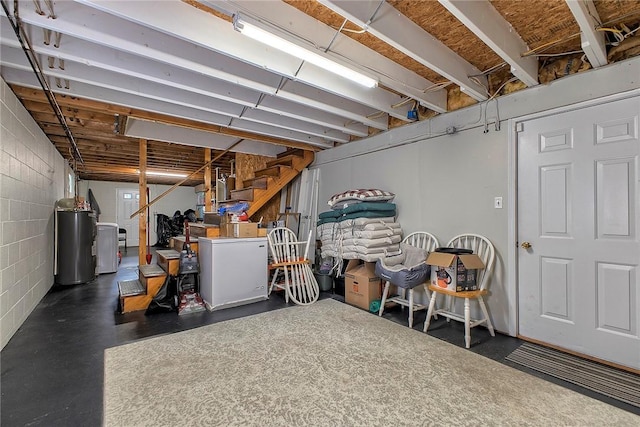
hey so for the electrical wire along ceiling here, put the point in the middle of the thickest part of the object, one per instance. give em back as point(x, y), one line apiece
point(266, 76)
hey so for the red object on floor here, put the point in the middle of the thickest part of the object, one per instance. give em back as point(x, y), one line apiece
point(190, 302)
point(119, 257)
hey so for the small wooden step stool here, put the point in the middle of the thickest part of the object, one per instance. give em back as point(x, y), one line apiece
point(136, 295)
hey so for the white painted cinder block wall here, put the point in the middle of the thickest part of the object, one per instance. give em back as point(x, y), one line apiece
point(32, 178)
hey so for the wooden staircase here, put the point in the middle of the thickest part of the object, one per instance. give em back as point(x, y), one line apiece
point(268, 182)
point(137, 294)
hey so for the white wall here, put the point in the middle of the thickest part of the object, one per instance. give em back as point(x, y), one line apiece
point(32, 178)
point(105, 192)
point(446, 184)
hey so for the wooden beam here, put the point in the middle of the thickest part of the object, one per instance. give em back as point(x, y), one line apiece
point(400, 32)
point(191, 124)
point(75, 123)
point(142, 221)
point(124, 153)
point(123, 170)
point(591, 40)
point(41, 107)
point(185, 179)
point(497, 33)
point(115, 146)
point(88, 134)
point(102, 107)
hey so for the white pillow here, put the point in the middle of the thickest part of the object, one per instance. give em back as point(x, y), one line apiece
point(363, 195)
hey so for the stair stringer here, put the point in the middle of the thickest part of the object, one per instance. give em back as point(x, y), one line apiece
point(278, 183)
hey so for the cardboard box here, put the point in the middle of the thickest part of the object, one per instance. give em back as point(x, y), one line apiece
point(212, 218)
point(455, 272)
point(203, 230)
point(361, 284)
point(239, 229)
point(225, 219)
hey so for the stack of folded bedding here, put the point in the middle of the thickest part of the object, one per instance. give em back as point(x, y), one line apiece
point(369, 239)
point(329, 234)
point(329, 217)
point(368, 210)
point(360, 225)
point(354, 204)
point(353, 197)
point(360, 210)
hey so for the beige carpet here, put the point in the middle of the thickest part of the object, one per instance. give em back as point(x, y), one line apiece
point(328, 364)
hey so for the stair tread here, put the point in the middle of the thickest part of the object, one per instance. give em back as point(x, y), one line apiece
point(258, 182)
point(221, 202)
point(270, 171)
point(244, 189)
point(239, 199)
point(128, 288)
point(284, 160)
point(292, 151)
point(201, 225)
point(151, 270)
point(168, 253)
point(281, 176)
point(243, 194)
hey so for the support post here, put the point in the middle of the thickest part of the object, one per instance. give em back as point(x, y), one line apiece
point(176, 185)
point(207, 180)
point(142, 218)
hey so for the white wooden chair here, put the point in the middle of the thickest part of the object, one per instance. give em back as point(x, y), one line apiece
point(421, 240)
point(482, 247)
point(292, 259)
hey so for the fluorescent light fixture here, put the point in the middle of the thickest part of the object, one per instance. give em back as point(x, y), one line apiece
point(167, 174)
point(253, 31)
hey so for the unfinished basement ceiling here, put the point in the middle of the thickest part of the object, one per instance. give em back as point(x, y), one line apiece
point(178, 74)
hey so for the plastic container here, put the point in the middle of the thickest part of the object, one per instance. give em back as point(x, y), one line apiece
point(325, 281)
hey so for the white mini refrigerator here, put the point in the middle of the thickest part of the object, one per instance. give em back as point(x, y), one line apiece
point(107, 243)
point(233, 271)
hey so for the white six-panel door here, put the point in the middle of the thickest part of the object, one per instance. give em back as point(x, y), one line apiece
point(578, 207)
point(128, 202)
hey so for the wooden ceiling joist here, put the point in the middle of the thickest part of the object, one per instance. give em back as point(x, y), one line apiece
point(97, 106)
point(131, 70)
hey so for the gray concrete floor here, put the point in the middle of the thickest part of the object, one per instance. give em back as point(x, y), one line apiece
point(52, 369)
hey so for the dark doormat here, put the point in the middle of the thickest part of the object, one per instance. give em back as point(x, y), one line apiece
point(606, 380)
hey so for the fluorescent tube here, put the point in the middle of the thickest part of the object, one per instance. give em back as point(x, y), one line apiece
point(263, 36)
point(168, 174)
